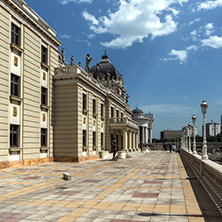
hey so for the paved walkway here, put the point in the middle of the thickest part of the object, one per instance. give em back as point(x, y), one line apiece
point(147, 187)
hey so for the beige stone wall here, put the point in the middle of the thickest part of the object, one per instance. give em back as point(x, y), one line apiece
point(31, 95)
point(4, 83)
point(53, 62)
point(65, 110)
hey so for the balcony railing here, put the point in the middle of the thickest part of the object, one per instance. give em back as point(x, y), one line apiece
point(124, 121)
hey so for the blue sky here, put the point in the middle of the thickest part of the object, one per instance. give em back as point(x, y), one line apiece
point(168, 51)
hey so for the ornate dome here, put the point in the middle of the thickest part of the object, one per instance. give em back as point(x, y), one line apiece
point(105, 66)
point(137, 111)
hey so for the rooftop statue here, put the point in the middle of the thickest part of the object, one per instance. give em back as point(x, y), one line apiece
point(88, 60)
point(79, 64)
point(72, 60)
point(127, 97)
point(63, 55)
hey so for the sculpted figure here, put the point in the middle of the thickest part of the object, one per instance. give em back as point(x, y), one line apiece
point(72, 60)
point(97, 68)
point(79, 64)
point(88, 60)
point(63, 55)
point(127, 97)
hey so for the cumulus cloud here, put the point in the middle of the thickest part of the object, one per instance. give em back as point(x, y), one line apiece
point(209, 28)
point(209, 5)
point(65, 36)
point(180, 55)
point(90, 18)
point(213, 41)
point(135, 20)
point(64, 2)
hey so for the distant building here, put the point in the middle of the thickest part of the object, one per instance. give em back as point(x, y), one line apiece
point(145, 122)
point(170, 134)
point(212, 129)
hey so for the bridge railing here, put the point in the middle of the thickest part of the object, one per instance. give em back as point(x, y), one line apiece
point(208, 172)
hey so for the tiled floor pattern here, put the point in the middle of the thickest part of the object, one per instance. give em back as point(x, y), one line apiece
point(149, 187)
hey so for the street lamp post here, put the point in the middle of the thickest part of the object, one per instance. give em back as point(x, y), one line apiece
point(194, 134)
point(186, 129)
point(204, 106)
point(189, 129)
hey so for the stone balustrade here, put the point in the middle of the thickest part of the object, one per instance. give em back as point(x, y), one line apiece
point(123, 120)
point(208, 172)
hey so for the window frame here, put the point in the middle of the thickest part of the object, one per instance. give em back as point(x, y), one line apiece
point(15, 34)
point(14, 135)
point(94, 138)
point(102, 110)
point(84, 101)
point(15, 85)
point(43, 137)
point(94, 106)
point(44, 54)
point(84, 138)
point(44, 96)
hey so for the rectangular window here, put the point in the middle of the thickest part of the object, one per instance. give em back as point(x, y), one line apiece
point(121, 114)
point(14, 135)
point(101, 139)
point(84, 138)
point(117, 113)
point(94, 106)
point(14, 85)
point(43, 137)
point(112, 111)
point(15, 31)
point(94, 138)
point(84, 101)
point(44, 54)
point(44, 96)
point(101, 109)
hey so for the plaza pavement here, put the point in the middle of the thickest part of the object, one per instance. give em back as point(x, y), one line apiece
point(146, 187)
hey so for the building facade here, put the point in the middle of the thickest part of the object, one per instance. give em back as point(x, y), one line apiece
point(29, 54)
point(145, 122)
point(49, 109)
point(213, 129)
point(89, 111)
point(170, 134)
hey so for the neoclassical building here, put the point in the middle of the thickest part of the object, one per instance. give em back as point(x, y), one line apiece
point(145, 122)
point(51, 110)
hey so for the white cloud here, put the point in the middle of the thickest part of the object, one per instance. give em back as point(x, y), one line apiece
point(135, 20)
point(208, 28)
point(213, 41)
point(180, 55)
point(209, 5)
point(195, 20)
point(65, 36)
point(64, 2)
point(90, 18)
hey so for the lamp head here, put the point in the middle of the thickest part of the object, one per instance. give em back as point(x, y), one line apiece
point(204, 106)
point(194, 119)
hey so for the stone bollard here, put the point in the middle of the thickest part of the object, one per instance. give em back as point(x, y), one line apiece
point(66, 176)
point(121, 154)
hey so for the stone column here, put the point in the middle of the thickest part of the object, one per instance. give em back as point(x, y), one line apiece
point(136, 141)
point(150, 134)
point(119, 140)
point(144, 135)
point(130, 141)
point(125, 138)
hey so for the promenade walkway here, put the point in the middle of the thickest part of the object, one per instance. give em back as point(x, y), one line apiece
point(147, 187)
